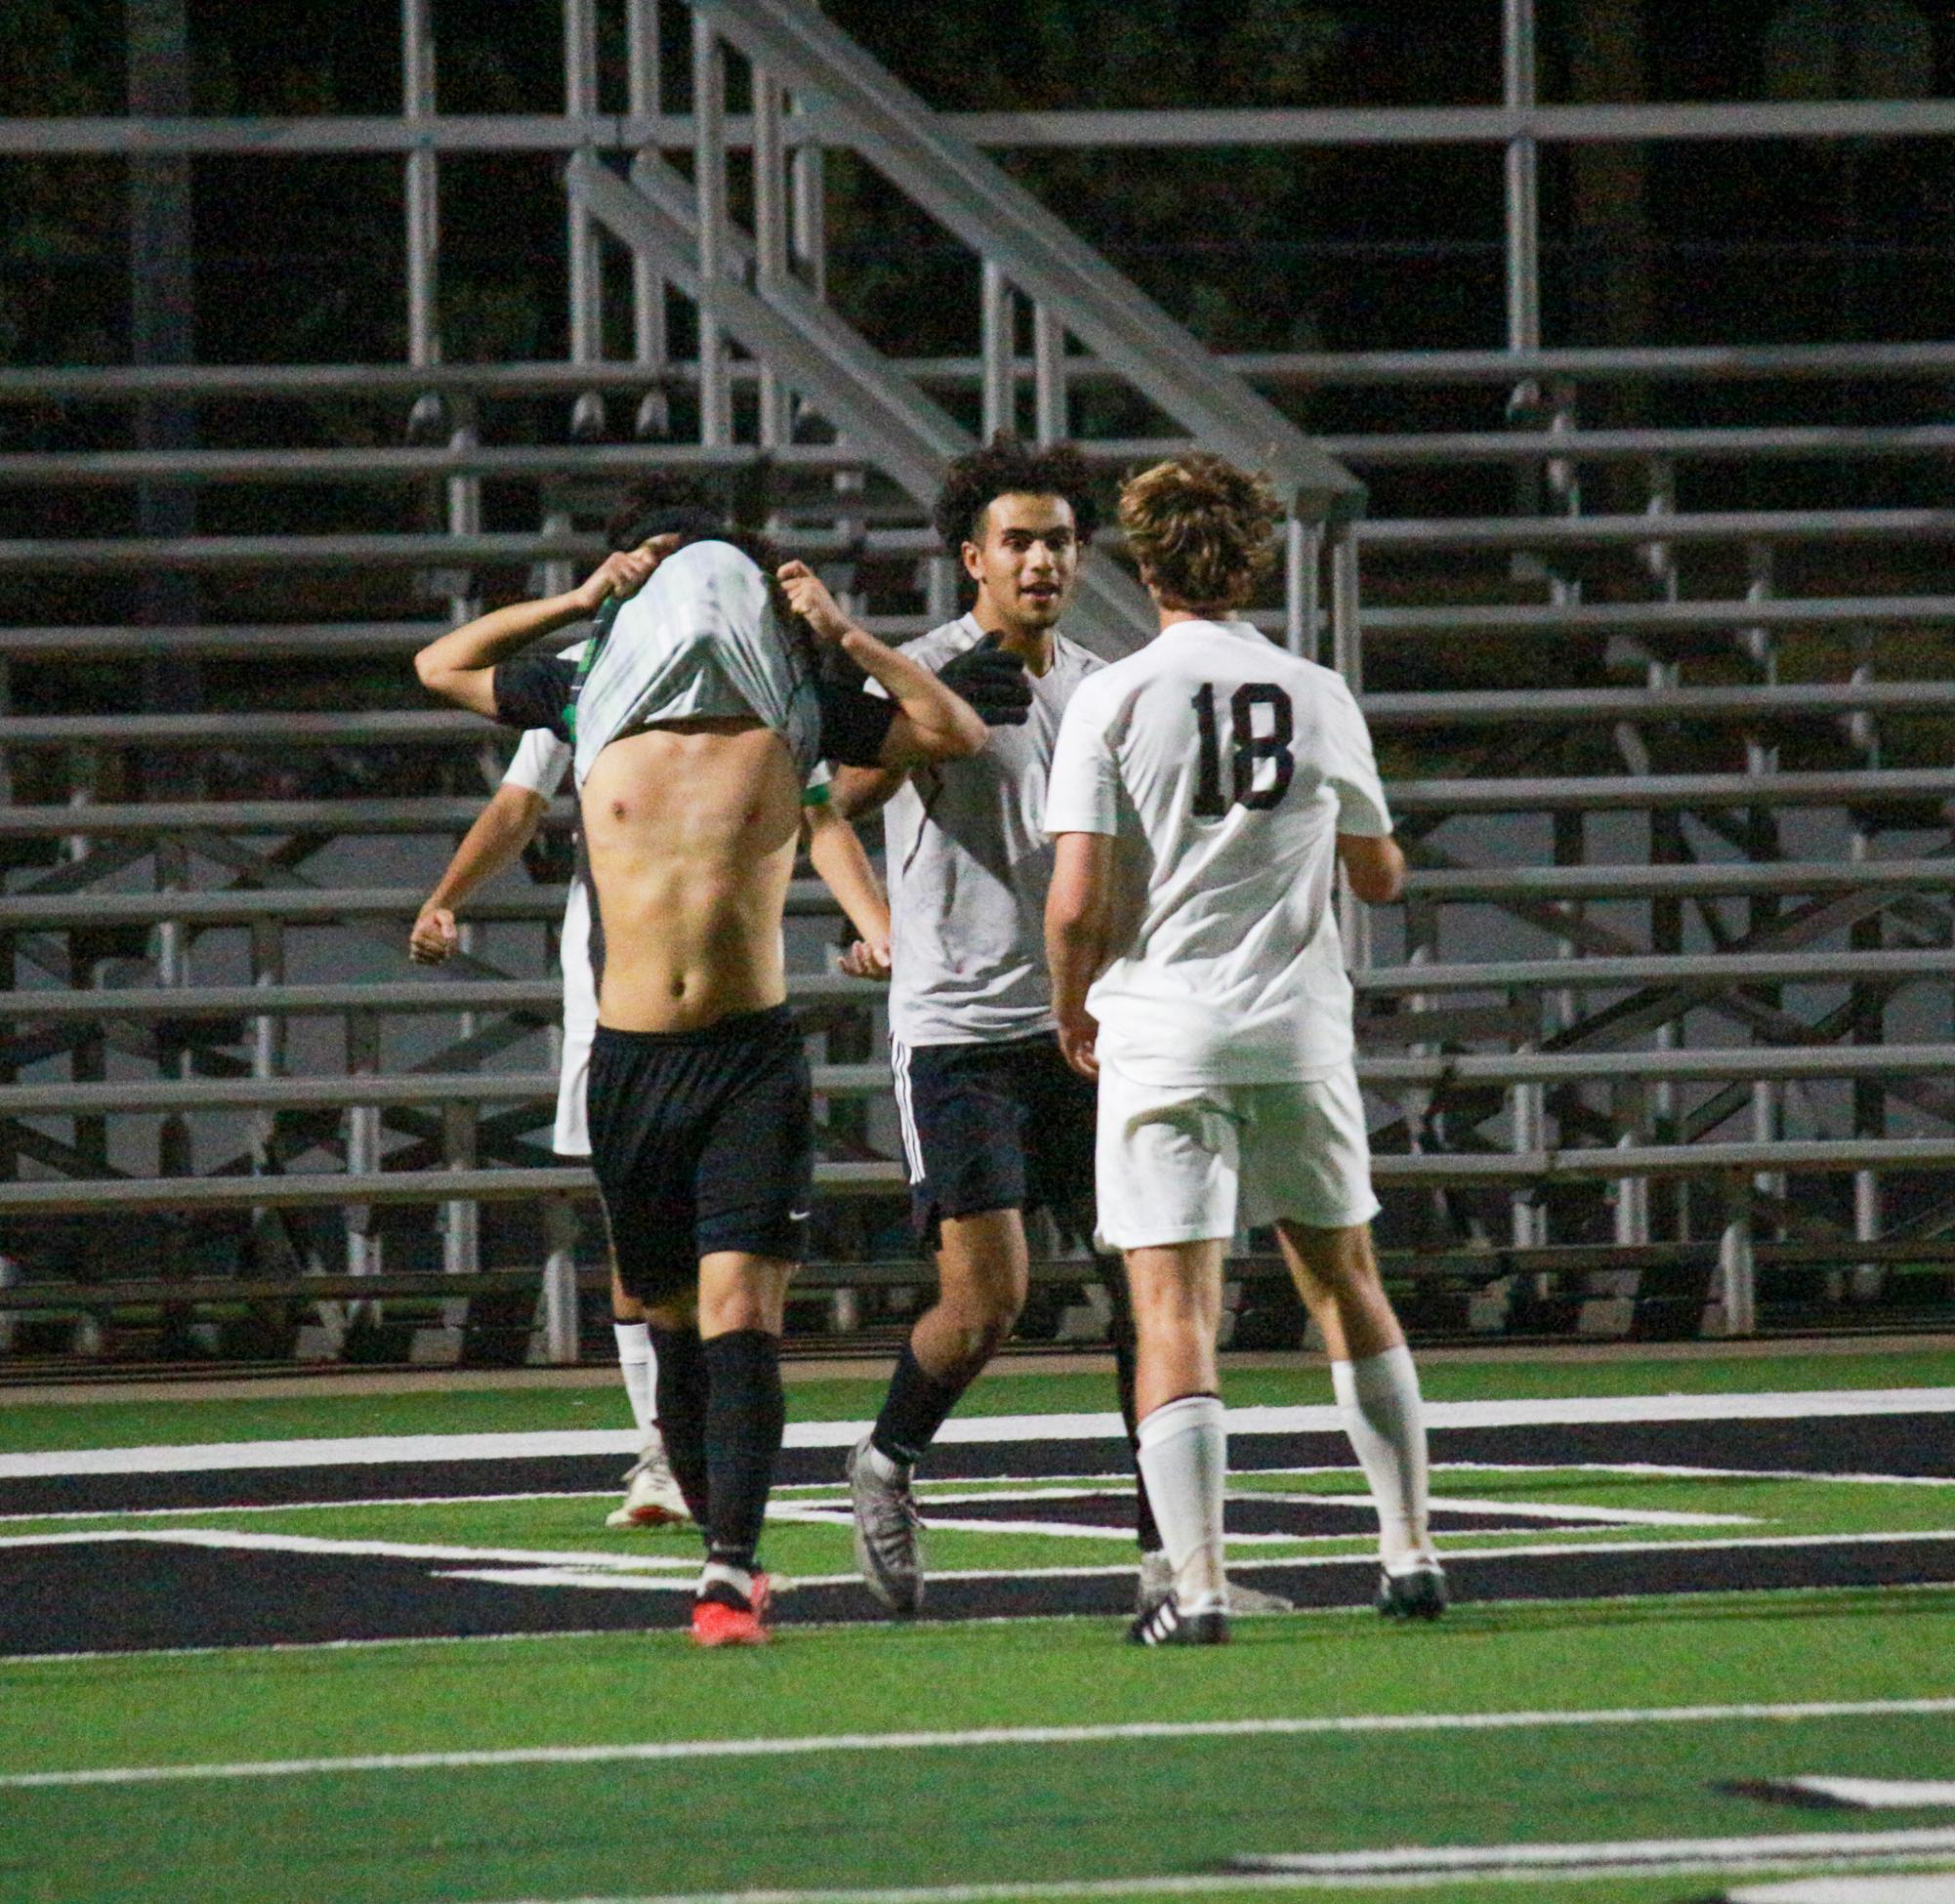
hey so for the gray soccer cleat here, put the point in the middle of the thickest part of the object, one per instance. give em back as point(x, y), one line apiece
point(1156, 1582)
point(888, 1534)
point(1418, 1595)
point(1167, 1626)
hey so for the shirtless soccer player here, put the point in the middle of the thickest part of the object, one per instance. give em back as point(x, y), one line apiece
point(994, 1123)
point(697, 724)
point(502, 831)
point(1203, 794)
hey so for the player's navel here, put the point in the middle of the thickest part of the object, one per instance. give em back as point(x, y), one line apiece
point(677, 987)
point(619, 810)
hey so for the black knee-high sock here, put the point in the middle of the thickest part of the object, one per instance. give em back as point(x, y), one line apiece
point(745, 1414)
point(682, 1412)
point(914, 1410)
point(1120, 1331)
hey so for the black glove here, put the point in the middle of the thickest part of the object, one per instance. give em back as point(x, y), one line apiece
point(993, 680)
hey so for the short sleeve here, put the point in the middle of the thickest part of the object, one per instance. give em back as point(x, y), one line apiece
point(541, 761)
point(532, 690)
point(1083, 789)
point(854, 724)
point(1351, 769)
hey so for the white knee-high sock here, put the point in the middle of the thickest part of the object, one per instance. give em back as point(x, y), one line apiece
point(638, 1363)
point(1183, 1458)
point(1386, 1420)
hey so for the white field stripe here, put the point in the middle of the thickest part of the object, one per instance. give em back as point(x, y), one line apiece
point(245, 1541)
point(1554, 1411)
point(1873, 1793)
point(313, 1507)
point(1662, 1471)
point(1627, 1854)
point(985, 1739)
point(1927, 1888)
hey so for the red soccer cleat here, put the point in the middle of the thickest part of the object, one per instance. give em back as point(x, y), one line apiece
point(721, 1618)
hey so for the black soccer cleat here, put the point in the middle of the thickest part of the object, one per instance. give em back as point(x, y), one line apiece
point(1164, 1625)
point(1417, 1595)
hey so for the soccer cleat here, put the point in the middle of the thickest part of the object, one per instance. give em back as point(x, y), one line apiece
point(1156, 1582)
point(1167, 1626)
point(652, 1497)
point(722, 1616)
point(1418, 1595)
point(888, 1534)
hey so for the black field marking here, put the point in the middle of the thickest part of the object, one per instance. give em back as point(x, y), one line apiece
point(114, 1595)
point(1242, 1514)
point(1880, 1444)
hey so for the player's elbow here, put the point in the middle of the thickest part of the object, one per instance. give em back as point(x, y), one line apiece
point(963, 732)
point(1375, 867)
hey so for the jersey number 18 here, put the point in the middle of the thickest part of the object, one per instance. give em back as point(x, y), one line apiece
point(1249, 749)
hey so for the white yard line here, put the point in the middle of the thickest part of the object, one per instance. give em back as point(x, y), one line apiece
point(986, 1739)
point(1870, 1794)
point(243, 1539)
point(1550, 1412)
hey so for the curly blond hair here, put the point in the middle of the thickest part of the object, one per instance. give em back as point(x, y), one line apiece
point(1203, 530)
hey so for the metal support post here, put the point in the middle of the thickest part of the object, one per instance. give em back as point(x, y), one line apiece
point(649, 340)
point(1523, 183)
point(363, 1160)
point(710, 182)
point(1048, 374)
point(1347, 634)
point(1737, 1262)
point(1302, 557)
point(998, 346)
point(586, 261)
point(770, 238)
point(811, 216)
point(418, 104)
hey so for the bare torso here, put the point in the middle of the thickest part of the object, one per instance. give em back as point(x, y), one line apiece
point(691, 830)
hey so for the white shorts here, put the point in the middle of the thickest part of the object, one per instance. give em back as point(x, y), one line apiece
point(1180, 1163)
point(572, 1137)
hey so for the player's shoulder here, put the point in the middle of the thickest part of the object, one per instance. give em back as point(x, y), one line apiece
point(945, 643)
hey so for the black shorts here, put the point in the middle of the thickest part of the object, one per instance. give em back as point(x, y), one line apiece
point(1004, 1125)
point(702, 1141)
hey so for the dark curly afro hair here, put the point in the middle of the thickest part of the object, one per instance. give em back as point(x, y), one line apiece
point(1006, 467)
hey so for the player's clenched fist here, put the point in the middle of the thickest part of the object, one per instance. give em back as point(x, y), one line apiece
point(435, 937)
point(623, 573)
point(808, 596)
point(866, 959)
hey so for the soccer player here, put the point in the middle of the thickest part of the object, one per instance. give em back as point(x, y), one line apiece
point(1203, 794)
point(505, 826)
point(994, 1123)
point(697, 723)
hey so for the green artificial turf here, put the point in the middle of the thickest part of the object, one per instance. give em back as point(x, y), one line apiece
point(998, 1814)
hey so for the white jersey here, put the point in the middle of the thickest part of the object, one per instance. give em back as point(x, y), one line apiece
point(541, 761)
point(967, 865)
point(698, 640)
point(1224, 768)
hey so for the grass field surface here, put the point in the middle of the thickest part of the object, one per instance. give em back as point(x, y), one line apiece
point(1649, 1655)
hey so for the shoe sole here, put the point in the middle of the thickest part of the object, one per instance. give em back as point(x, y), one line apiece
point(645, 1517)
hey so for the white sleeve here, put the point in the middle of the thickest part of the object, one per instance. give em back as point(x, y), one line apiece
point(540, 764)
point(542, 760)
point(1083, 789)
point(1351, 769)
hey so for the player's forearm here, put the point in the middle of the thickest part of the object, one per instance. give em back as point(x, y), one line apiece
point(837, 855)
point(458, 665)
point(1076, 933)
point(501, 831)
point(859, 792)
point(942, 723)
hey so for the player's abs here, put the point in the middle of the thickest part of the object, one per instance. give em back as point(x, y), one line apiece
point(692, 833)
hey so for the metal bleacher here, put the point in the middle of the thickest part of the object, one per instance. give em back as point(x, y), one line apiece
point(1659, 1041)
